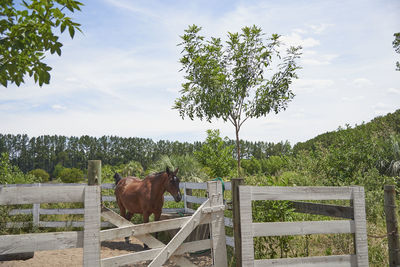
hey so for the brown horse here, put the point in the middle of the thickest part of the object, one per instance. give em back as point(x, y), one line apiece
point(145, 196)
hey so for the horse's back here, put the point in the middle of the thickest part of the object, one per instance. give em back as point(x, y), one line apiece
point(129, 193)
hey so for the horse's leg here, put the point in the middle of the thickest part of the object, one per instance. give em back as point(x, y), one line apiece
point(157, 216)
point(128, 216)
point(146, 216)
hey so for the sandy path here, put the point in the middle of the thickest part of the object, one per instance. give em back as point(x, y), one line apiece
point(74, 256)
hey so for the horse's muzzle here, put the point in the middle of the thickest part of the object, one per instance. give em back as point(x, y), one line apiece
point(178, 197)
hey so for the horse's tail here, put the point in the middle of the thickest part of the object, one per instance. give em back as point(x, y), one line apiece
point(117, 178)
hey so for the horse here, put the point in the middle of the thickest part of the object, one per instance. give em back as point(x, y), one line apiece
point(145, 196)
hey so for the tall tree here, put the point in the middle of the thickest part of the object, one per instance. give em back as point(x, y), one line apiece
point(396, 46)
point(27, 33)
point(230, 82)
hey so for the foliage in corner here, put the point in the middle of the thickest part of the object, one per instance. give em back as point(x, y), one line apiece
point(396, 46)
point(27, 33)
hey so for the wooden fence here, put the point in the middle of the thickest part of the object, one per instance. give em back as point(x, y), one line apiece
point(36, 210)
point(355, 225)
point(90, 195)
point(210, 212)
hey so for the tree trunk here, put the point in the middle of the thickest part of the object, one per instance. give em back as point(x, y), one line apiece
point(238, 150)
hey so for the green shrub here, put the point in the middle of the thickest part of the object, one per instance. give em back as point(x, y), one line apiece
point(273, 164)
point(132, 168)
point(216, 155)
point(251, 166)
point(72, 175)
point(40, 174)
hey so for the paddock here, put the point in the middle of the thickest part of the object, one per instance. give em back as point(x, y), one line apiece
point(210, 212)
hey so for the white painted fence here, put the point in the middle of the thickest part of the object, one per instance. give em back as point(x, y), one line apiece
point(90, 195)
point(36, 210)
point(357, 226)
point(211, 212)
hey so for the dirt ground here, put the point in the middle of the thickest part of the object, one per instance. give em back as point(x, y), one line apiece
point(74, 256)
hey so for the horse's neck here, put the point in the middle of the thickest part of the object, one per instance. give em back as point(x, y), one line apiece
point(157, 184)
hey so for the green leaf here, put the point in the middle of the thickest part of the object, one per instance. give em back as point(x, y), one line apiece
point(62, 28)
point(71, 31)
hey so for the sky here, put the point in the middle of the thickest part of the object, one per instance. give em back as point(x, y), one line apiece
point(121, 75)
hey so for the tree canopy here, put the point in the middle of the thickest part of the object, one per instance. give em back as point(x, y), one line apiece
point(230, 81)
point(396, 46)
point(27, 33)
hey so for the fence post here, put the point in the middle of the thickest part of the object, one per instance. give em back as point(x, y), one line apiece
point(91, 235)
point(217, 225)
point(36, 212)
point(236, 220)
point(391, 226)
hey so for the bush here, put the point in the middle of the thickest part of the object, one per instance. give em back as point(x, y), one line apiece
point(40, 174)
point(72, 175)
point(216, 155)
point(132, 168)
point(251, 166)
point(273, 164)
point(10, 174)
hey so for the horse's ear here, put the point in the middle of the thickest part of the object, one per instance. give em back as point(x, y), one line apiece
point(176, 171)
point(167, 170)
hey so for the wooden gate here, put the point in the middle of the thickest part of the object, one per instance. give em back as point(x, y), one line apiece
point(210, 212)
point(249, 230)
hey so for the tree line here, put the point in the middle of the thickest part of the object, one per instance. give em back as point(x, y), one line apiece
point(46, 151)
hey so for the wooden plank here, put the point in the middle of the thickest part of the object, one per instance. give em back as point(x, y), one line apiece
point(193, 246)
point(190, 185)
point(303, 228)
point(246, 220)
point(150, 241)
point(392, 225)
point(182, 261)
point(217, 225)
point(361, 241)
point(61, 224)
point(197, 200)
point(48, 194)
point(41, 241)
point(108, 198)
point(230, 241)
point(119, 221)
point(130, 258)
point(114, 217)
point(300, 192)
point(108, 186)
point(19, 211)
point(150, 254)
point(40, 185)
point(178, 239)
point(325, 261)
point(140, 229)
point(91, 241)
point(236, 220)
point(61, 211)
point(323, 209)
point(228, 222)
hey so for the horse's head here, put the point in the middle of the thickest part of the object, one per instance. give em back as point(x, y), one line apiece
point(172, 184)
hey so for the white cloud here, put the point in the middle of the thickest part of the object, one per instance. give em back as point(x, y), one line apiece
point(295, 39)
point(362, 83)
point(393, 91)
point(314, 58)
point(320, 28)
point(58, 107)
point(311, 85)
